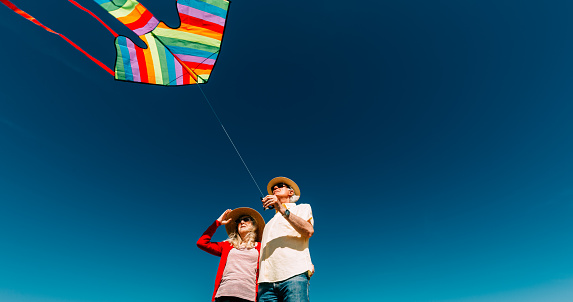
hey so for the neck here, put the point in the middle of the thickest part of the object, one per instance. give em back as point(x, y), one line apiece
point(284, 199)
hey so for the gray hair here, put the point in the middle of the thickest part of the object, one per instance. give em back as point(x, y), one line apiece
point(294, 197)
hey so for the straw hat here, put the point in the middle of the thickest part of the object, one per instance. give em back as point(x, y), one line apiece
point(287, 181)
point(235, 214)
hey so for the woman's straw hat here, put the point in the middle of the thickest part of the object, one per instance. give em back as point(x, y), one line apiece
point(235, 214)
point(287, 181)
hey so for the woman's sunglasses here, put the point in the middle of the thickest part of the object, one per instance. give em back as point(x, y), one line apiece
point(245, 219)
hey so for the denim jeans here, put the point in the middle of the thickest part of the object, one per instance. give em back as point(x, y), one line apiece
point(293, 289)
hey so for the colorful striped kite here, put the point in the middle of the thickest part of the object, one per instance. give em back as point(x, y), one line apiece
point(174, 56)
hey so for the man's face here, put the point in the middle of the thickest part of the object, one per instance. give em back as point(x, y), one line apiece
point(282, 190)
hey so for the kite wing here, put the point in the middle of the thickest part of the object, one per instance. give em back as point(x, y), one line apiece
point(174, 56)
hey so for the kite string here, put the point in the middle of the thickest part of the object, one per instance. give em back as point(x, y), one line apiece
point(192, 74)
point(229, 137)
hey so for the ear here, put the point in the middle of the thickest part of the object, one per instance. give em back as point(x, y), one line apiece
point(290, 192)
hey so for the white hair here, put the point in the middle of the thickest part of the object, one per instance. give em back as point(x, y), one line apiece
point(293, 198)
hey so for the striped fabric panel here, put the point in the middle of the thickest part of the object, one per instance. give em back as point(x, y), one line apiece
point(175, 56)
point(154, 65)
point(131, 13)
point(198, 40)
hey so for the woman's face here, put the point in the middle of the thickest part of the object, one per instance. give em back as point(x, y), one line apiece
point(245, 225)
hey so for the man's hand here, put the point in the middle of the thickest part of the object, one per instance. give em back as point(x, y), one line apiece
point(223, 218)
point(271, 200)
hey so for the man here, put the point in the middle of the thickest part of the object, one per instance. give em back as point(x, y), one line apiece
point(285, 265)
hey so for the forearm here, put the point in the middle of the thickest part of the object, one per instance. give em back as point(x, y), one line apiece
point(302, 226)
point(205, 243)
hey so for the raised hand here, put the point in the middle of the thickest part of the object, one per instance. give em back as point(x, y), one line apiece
point(224, 219)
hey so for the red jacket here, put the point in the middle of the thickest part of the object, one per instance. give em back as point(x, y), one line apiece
point(222, 250)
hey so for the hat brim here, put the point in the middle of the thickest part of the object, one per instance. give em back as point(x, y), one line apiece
point(287, 181)
point(231, 227)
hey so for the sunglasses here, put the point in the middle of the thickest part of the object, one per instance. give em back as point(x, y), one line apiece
point(281, 185)
point(245, 219)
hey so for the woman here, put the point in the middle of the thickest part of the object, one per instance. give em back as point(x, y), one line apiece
point(237, 275)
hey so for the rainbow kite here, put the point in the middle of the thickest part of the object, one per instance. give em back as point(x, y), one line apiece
point(174, 56)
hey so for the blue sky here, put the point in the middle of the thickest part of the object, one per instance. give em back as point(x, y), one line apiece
point(433, 140)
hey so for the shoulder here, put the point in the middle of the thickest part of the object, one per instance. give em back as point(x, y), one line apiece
point(304, 211)
point(303, 207)
point(225, 245)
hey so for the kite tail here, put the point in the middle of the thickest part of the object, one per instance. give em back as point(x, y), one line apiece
point(93, 15)
point(22, 13)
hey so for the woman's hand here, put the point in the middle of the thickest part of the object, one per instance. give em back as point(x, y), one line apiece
point(223, 219)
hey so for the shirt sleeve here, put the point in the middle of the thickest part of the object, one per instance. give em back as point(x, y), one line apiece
point(305, 212)
point(205, 243)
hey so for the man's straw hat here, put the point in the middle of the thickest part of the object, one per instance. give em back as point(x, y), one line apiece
point(235, 214)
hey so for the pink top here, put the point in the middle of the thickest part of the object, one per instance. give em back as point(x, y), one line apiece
point(219, 249)
point(240, 275)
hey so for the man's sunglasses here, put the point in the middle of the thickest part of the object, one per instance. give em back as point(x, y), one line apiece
point(245, 219)
point(281, 185)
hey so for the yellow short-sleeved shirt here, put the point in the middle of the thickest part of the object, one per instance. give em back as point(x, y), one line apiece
point(284, 252)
